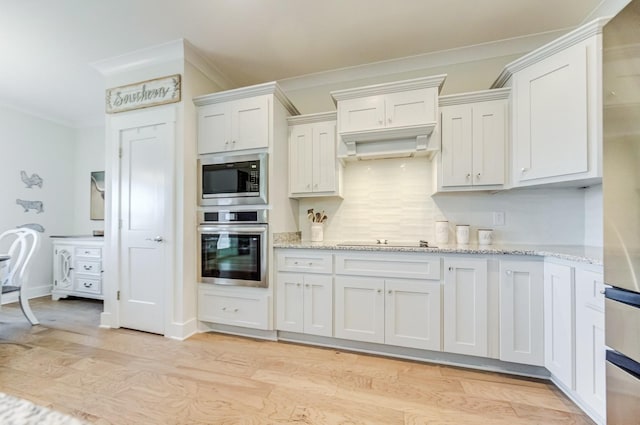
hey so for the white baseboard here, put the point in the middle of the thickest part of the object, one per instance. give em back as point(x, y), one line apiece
point(106, 320)
point(31, 292)
point(182, 331)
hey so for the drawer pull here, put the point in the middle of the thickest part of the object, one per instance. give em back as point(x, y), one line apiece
point(235, 310)
point(310, 264)
point(450, 268)
point(390, 292)
point(295, 263)
point(297, 284)
point(379, 291)
point(87, 267)
point(307, 285)
point(87, 252)
point(87, 285)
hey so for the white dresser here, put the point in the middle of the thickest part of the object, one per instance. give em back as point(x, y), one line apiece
point(77, 267)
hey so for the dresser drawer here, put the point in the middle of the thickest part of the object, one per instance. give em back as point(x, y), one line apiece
point(237, 309)
point(88, 252)
point(88, 267)
point(92, 286)
point(302, 260)
point(384, 264)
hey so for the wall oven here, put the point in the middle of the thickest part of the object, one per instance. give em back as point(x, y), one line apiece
point(233, 247)
point(232, 179)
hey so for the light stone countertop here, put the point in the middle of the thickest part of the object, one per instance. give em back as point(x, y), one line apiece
point(577, 253)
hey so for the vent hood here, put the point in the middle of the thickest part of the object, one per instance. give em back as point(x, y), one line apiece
point(388, 120)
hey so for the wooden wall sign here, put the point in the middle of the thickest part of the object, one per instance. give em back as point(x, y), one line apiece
point(144, 94)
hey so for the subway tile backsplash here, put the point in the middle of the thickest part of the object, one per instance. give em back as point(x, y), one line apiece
point(391, 199)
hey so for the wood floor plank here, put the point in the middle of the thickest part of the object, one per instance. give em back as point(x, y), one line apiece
point(121, 376)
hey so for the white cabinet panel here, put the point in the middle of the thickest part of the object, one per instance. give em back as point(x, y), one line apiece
point(590, 343)
point(234, 306)
point(318, 305)
point(465, 306)
point(558, 322)
point(412, 311)
point(489, 143)
point(290, 302)
point(301, 159)
point(214, 128)
point(324, 164)
point(359, 308)
point(522, 312)
point(394, 265)
point(361, 114)
point(410, 107)
point(457, 145)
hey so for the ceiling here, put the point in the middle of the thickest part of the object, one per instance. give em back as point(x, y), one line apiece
point(47, 46)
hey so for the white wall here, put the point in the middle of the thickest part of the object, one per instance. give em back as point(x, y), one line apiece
point(89, 156)
point(46, 148)
point(391, 199)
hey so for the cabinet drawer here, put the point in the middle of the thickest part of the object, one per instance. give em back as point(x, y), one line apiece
point(234, 309)
point(302, 261)
point(88, 267)
point(88, 252)
point(405, 265)
point(92, 286)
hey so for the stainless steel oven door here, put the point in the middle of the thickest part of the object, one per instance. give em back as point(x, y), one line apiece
point(233, 254)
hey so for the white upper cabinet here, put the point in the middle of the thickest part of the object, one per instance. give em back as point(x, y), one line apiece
point(474, 135)
point(240, 119)
point(557, 110)
point(387, 119)
point(313, 167)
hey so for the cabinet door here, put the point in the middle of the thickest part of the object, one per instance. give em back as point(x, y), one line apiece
point(412, 314)
point(214, 128)
point(318, 305)
point(63, 267)
point(456, 146)
point(465, 306)
point(361, 114)
point(558, 322)
point(411, 107)
point(300, 159)
point(522, 312)
point(359, 308)
point(289, 309)
point(324, 157)
point(489, 142)
point(250, 123)
point(590, 345)
point(550, 117)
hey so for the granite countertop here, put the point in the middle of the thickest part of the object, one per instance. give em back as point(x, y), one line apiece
point(583, 254)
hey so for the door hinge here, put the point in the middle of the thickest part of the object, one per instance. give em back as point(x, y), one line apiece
point(118, 295)
point(119, 152)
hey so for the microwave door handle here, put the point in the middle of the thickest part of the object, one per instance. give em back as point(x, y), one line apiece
point(232, 229)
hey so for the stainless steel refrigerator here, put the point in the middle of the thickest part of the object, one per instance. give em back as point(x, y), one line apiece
point(621, 202)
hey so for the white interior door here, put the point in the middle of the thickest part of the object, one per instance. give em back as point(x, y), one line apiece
point(143, 265)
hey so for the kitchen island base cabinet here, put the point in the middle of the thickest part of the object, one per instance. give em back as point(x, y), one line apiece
point(465, 312)
point(522, 312)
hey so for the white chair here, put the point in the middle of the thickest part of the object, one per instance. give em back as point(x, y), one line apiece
point(24, 244)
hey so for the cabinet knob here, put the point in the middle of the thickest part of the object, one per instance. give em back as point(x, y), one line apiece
point(524, 170)
point(226, 143)
point(450, 269)
point(389, 120)
point(295, 263)
point(390, 292)
point(478, 175)
point(468, 175)
point(308, 186)
point(298, 284)
point(380, 121)
point(307, 285)
point(310, 264)
point(315, 185)
point(509, 272)
point(379, 291)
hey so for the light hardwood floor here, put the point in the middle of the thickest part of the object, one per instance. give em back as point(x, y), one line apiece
point(126, 377)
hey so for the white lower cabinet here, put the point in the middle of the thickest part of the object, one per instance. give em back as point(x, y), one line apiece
point(590, 348)
point(236, 306)
point(398, 312)
point(305, 303)
point(77, 268)
point(522, 312)
point(465, 306)
point(558, 322)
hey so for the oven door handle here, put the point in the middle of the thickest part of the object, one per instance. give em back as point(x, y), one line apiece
point(233, 229)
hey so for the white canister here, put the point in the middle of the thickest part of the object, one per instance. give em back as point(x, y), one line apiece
point(442, 232)
point(317, 232)
point(485, 236)
point(462, 234)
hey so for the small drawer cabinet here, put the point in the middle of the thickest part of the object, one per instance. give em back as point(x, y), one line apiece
point(77, 267)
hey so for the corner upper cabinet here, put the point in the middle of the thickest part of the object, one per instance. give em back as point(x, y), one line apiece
point(387, 119)
point(474, 136)
point(557, 110)
point(313, 167)
point(240, 119)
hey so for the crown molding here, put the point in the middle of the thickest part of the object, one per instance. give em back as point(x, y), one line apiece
point(313, 118)
point(396, 86)
point(472, 97)
point(243, 92)
point(142, 58)
point(477, 52)
point(606, 8)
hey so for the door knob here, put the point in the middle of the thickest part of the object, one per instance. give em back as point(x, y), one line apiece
point(156, 239)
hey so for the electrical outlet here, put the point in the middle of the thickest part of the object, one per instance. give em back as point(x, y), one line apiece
point(498, 218)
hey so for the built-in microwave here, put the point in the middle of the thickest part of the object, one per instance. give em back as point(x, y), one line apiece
point(225, 179)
